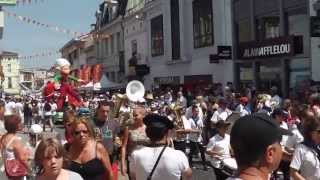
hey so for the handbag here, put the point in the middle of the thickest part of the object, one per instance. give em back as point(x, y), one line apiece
point(14, 167)
point(156, 164)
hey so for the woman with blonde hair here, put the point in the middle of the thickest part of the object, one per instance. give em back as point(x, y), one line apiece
point(49, 159)
point(88, 157)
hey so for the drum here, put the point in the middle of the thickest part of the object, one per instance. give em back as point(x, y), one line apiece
point(229, 166)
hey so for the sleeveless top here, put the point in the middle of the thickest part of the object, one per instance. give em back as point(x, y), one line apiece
point(137, 139)
point(8, 153)
point(90, 170)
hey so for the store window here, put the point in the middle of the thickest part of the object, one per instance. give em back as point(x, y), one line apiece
point(202, 23)
point(157, 48)
point(244, 31)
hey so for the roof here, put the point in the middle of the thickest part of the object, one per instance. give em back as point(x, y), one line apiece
point(8, 54)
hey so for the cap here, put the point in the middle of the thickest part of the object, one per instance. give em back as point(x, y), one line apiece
point(280, 112)
point(255, 133)
point(157, 121)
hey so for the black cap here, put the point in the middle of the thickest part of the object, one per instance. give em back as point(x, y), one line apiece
point(157, 121)
point(255, 132)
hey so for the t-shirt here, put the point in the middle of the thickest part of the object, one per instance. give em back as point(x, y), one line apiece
point(10, 108)
point(306, 162)
point(220, 114)
point(107, 131)
point(171, 165)
point(74, 176)
point(220, 145)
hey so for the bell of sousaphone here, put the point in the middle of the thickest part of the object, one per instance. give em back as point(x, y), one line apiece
point(135, 91)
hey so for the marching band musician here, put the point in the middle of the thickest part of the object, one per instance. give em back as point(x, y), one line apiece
point(219, 150)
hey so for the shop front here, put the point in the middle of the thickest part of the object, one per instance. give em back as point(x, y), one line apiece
point(162, 83)
point(266, 63)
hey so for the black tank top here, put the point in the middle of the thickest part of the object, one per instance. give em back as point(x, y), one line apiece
point(91, 170)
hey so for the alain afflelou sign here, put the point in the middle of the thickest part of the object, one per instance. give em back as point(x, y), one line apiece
point(275, 47)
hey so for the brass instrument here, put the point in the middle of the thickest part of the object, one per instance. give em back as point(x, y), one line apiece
point(134, 92)
point(177, 109)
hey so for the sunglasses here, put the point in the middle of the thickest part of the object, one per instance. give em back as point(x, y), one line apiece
point(82, 131)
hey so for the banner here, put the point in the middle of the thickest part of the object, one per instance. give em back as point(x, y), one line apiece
point(96, 73)
point(8, 2)
point(86, 73)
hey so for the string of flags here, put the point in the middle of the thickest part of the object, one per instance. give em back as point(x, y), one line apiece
point(27, 2)
point(39, 24)
point(39, 55)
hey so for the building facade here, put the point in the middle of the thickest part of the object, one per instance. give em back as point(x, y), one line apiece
point(272, 43)
point(109, 44)
point(176, 39)
point(10, 65)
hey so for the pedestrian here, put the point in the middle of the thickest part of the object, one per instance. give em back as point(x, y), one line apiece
point(255, 141)
point(49, 158)
point(88, 157)
point(47, 119)
point(305, 163)
point(157, 161)
point(14, 152)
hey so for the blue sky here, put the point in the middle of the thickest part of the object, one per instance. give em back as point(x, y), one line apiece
point(28, 39)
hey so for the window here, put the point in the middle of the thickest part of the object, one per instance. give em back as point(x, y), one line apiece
point(175, 29)
point(202, 23)
point(268, 27)
point(134, 47)
point(157, 48)
point(9, 82)
point(118, 42)
point(9, 68)
point(112, 43)
point(106, 42)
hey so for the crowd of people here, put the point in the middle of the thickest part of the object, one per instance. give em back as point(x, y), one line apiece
point(239, 134)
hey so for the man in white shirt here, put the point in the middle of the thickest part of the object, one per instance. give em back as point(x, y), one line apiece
point(181, 99)
point(172, 164)
point(222, 113)
point(276, 100)
point(10, 107)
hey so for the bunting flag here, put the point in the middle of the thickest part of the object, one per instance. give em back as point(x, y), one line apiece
point(86, 73)
point(39, 55)
point(39, 24)
point(96, 73)
point(27, 2)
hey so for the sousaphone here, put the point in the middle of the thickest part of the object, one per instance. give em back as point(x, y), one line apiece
point(135, 91)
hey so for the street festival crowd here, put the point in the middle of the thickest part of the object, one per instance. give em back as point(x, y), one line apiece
point(240, 134)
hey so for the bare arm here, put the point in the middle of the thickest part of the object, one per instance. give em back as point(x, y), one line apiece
point(104, 157)
point(20, 152)
point(124, 150)
point(295, 175)
point(187, 174)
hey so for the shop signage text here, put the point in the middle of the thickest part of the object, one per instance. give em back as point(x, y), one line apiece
point(276, 47)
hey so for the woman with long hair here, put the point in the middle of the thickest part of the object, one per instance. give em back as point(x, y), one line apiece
point(88, 157)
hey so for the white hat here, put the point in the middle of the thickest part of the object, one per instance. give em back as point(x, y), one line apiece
point(36, 129)
point(61, 62)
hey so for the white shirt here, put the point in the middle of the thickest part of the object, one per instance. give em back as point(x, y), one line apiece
point(183, 101)
point(284, 139)
point(220, 114)
point(241, 109)
point(306, 162)
point(189, 112)
point(220, 145)
point(10, 108)
point(196, 125)
point(19, 108)
point(295, 139)
point(171, 165)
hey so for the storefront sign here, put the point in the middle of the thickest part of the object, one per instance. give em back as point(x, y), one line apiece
point(315, 26)
point(283, 46)
point(224, 52)
point(8, 2)
point(167, 80)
